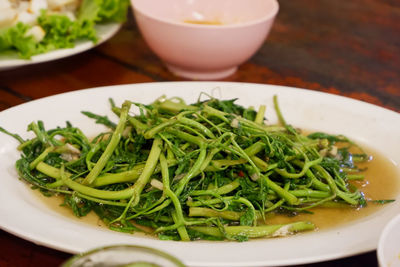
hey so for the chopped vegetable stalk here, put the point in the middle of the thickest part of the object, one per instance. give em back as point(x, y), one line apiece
point(258, 231)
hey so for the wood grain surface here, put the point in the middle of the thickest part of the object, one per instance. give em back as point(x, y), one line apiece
point(349, 48)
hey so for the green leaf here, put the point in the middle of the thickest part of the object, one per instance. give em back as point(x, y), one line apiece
point(61, 31)
point(383, 201)
point(103, 10)
point(100, 119)
point(14, 39)
point(247, 218)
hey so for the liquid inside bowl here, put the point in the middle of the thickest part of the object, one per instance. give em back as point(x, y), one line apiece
point(208, 12)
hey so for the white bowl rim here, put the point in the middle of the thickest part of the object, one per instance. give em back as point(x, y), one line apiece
point(385, 232)
point(270, 15)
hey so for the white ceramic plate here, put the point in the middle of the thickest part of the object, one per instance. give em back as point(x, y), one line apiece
point(23, 215)
point(104, 31)
point(389, 244)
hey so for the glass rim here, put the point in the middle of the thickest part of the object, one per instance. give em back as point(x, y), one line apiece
point(149, 250)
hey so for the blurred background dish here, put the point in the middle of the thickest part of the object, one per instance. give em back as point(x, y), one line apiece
point(35, 31)
point(389, 244)
point(123, 255)
point(104, 31)
point(204, 39)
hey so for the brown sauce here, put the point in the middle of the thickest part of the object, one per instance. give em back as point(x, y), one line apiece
point(382, 182)
point(56, 203)
point(204, 22)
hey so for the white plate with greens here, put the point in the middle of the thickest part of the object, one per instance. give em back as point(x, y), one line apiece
point(24, 215)
point(104, 31)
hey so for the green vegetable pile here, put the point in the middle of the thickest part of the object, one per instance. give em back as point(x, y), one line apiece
point(210, 170)
point(61, 31)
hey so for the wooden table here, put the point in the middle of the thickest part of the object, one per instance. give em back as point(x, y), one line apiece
point(350, 48)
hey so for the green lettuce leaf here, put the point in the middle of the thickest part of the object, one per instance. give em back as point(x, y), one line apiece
point(14, 39)
point(103, 10)
point(61, 32)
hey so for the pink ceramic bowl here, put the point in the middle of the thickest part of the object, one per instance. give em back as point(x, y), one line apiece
point(204, 39)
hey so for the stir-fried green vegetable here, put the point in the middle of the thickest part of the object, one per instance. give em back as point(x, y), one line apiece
point(209, 170)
